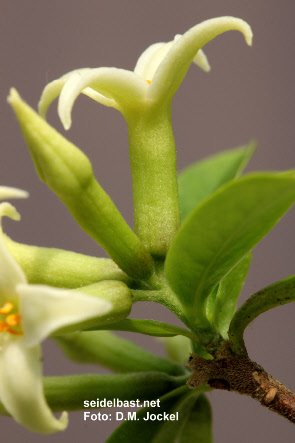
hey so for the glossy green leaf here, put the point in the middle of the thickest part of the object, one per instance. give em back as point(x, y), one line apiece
point(278, 294)
point(201, 179)
point(109, 350)
point(220, 232)
point(210, 302)
point(227, 295)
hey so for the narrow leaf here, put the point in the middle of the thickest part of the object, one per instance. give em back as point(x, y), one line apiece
point(227, 295)
point(109, 350)
point(201, 179)
point(154, 328)
point(148, 327)
point(70, 392)
point(278, 294)
point(220, 232)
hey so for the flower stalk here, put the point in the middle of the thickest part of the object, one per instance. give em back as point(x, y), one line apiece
point(153, 168)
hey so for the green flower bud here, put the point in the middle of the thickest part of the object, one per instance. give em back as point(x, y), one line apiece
point(68, 172)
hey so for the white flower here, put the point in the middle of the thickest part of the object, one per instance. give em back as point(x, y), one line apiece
point(156, 77)
point(7, 193)
point(28, 314)
point(144, 98)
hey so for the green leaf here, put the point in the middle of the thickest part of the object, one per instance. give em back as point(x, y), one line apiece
point(155, 329)
point(227, 295)
point(219, 233)
point(201, 179)
point(109, 350)
point(69, 392)
point(181, 403)
point(198, 424)
point(194, 425)
point(270, 297)
point(210, 302)
point(148, 327)
point(143, 431)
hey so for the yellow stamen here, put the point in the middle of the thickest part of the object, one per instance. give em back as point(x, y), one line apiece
point(14, 331)
point(3, 326)
point(149, 82)
point(6, 308)
point(13, 319)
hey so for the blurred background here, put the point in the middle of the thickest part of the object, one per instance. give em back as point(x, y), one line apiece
point(249, 94)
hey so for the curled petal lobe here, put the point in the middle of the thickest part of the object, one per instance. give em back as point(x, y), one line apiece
point(7, 193)
point(146, 64)
point(54, 88)
point(125, 88)
point(46, 310)
point(174, 66)
point(10, 272)
point(21, 389)
point(49, 94)
point(162, 67)
point(151, 59)
point(201, 60)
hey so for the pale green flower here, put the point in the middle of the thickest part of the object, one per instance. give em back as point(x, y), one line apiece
point(28, 314)
point(158, 73)
point(144, 97)
point(6, 193)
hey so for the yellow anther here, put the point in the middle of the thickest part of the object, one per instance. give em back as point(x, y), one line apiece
point(3, 326)
point(14, 331)
point(13, 319)
point(6, 308)
point(149, 82)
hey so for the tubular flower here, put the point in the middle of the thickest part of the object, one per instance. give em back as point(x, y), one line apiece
point(144, 98)
point(157, 75)
point(28, 314)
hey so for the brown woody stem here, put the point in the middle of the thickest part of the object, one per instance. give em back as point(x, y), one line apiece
point(240, 374)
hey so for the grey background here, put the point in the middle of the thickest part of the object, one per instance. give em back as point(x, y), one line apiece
point(248, 94)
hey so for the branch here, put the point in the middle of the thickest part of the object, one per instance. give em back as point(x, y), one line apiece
point(236, 373)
